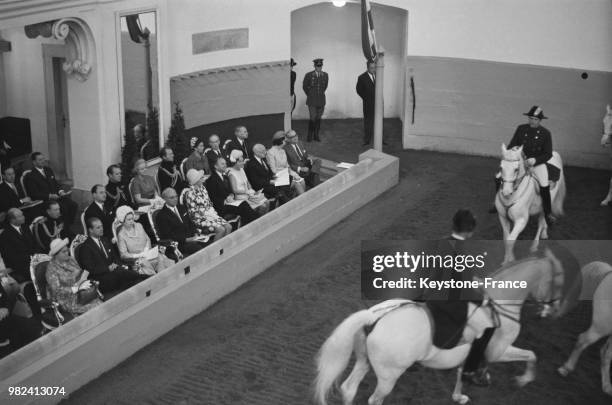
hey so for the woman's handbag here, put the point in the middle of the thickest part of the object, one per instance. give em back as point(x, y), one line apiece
point(86, 295)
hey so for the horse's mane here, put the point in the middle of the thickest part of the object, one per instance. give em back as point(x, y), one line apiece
point(513, 154)
point(529, 258)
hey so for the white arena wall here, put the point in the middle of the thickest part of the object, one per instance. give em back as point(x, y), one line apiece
point(97, 341)
point(549, 34)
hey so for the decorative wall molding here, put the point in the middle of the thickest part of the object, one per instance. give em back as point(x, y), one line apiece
point(225, 93)
point(10, 9)
point(231, 69)
point(78, 39)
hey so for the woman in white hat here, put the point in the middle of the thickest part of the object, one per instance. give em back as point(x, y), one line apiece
point(240, 184)
point(65, 278)
point(133, 242)
point(200, 208)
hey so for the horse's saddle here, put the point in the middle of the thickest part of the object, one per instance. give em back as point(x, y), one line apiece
point(554, 173)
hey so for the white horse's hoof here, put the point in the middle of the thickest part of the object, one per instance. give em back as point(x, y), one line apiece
point(604, 203)
point(607, 390)
point(461, 398)
point(563, 371)
point(522, 380)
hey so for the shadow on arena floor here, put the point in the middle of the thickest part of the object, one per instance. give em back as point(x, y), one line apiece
point(257, 346)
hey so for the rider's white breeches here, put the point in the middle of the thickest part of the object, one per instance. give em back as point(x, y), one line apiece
point(541, 174)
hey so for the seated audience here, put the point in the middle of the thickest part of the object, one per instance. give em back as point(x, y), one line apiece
point(133, 243)
point(213, 152)
point(168, 174)
point(144, 189)
point(41, 184)
point(222, 197)
point(277, 159)
point(261, 177)
point(200, 207)
point(173, 223)
point(11, 195)
point(19, 331)
point(241, 188)
point(65, 278)
point(299, 161)
point(17, 244)
point(52, 227)
point(99, 209)
point(239, 141)
point(100, 260)
point(116, 193)
point(197, 160)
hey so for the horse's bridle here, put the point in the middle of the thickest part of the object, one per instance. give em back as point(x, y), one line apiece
point(517, 181)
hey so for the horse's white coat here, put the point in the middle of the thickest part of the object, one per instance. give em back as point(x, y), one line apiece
point(515, 203)
point(601, 323)
point(606, 139)
point(404, 336)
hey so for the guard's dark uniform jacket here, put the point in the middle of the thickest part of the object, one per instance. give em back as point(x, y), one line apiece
point(536, 142)
point(315, 87)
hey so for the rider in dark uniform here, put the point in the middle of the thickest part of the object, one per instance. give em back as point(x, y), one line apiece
point(449, 307)
point(537, 147)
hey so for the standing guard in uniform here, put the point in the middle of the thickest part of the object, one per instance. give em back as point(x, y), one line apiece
point(293, 78)
point(537, 147)
point(315, 84)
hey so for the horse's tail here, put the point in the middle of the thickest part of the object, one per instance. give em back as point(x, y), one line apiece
point(557, 204)
point(336, 352)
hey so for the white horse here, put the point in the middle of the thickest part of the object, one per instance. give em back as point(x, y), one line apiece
point(597, 285)
point(403, 336)
point(518, 198)
point(606, 140)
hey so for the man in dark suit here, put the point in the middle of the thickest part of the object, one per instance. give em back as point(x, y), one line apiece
point(18, 330)
point(366, 90)
point(261, 177)
point(299, 161)
point(98, 209)
point(97, 256)
point(240, 142)
point(11, 195)
point(314, 85)
point(41, 184)
point(52, 227)
point(213, 152)
point(17, 244)
point(220, 193)
point(173, 223)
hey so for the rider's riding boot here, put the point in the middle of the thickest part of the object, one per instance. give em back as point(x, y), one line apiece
point(474, 368)
point(546, 206)
point(493, 210)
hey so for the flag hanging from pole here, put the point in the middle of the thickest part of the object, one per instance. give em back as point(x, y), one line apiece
point(368, 38)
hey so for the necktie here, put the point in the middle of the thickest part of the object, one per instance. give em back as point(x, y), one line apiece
point(177, 214)
point(226, 182)
point(263, 163)
point(12, 186)
point(102, 248)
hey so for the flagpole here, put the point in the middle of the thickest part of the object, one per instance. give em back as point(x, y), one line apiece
point(378, 103)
